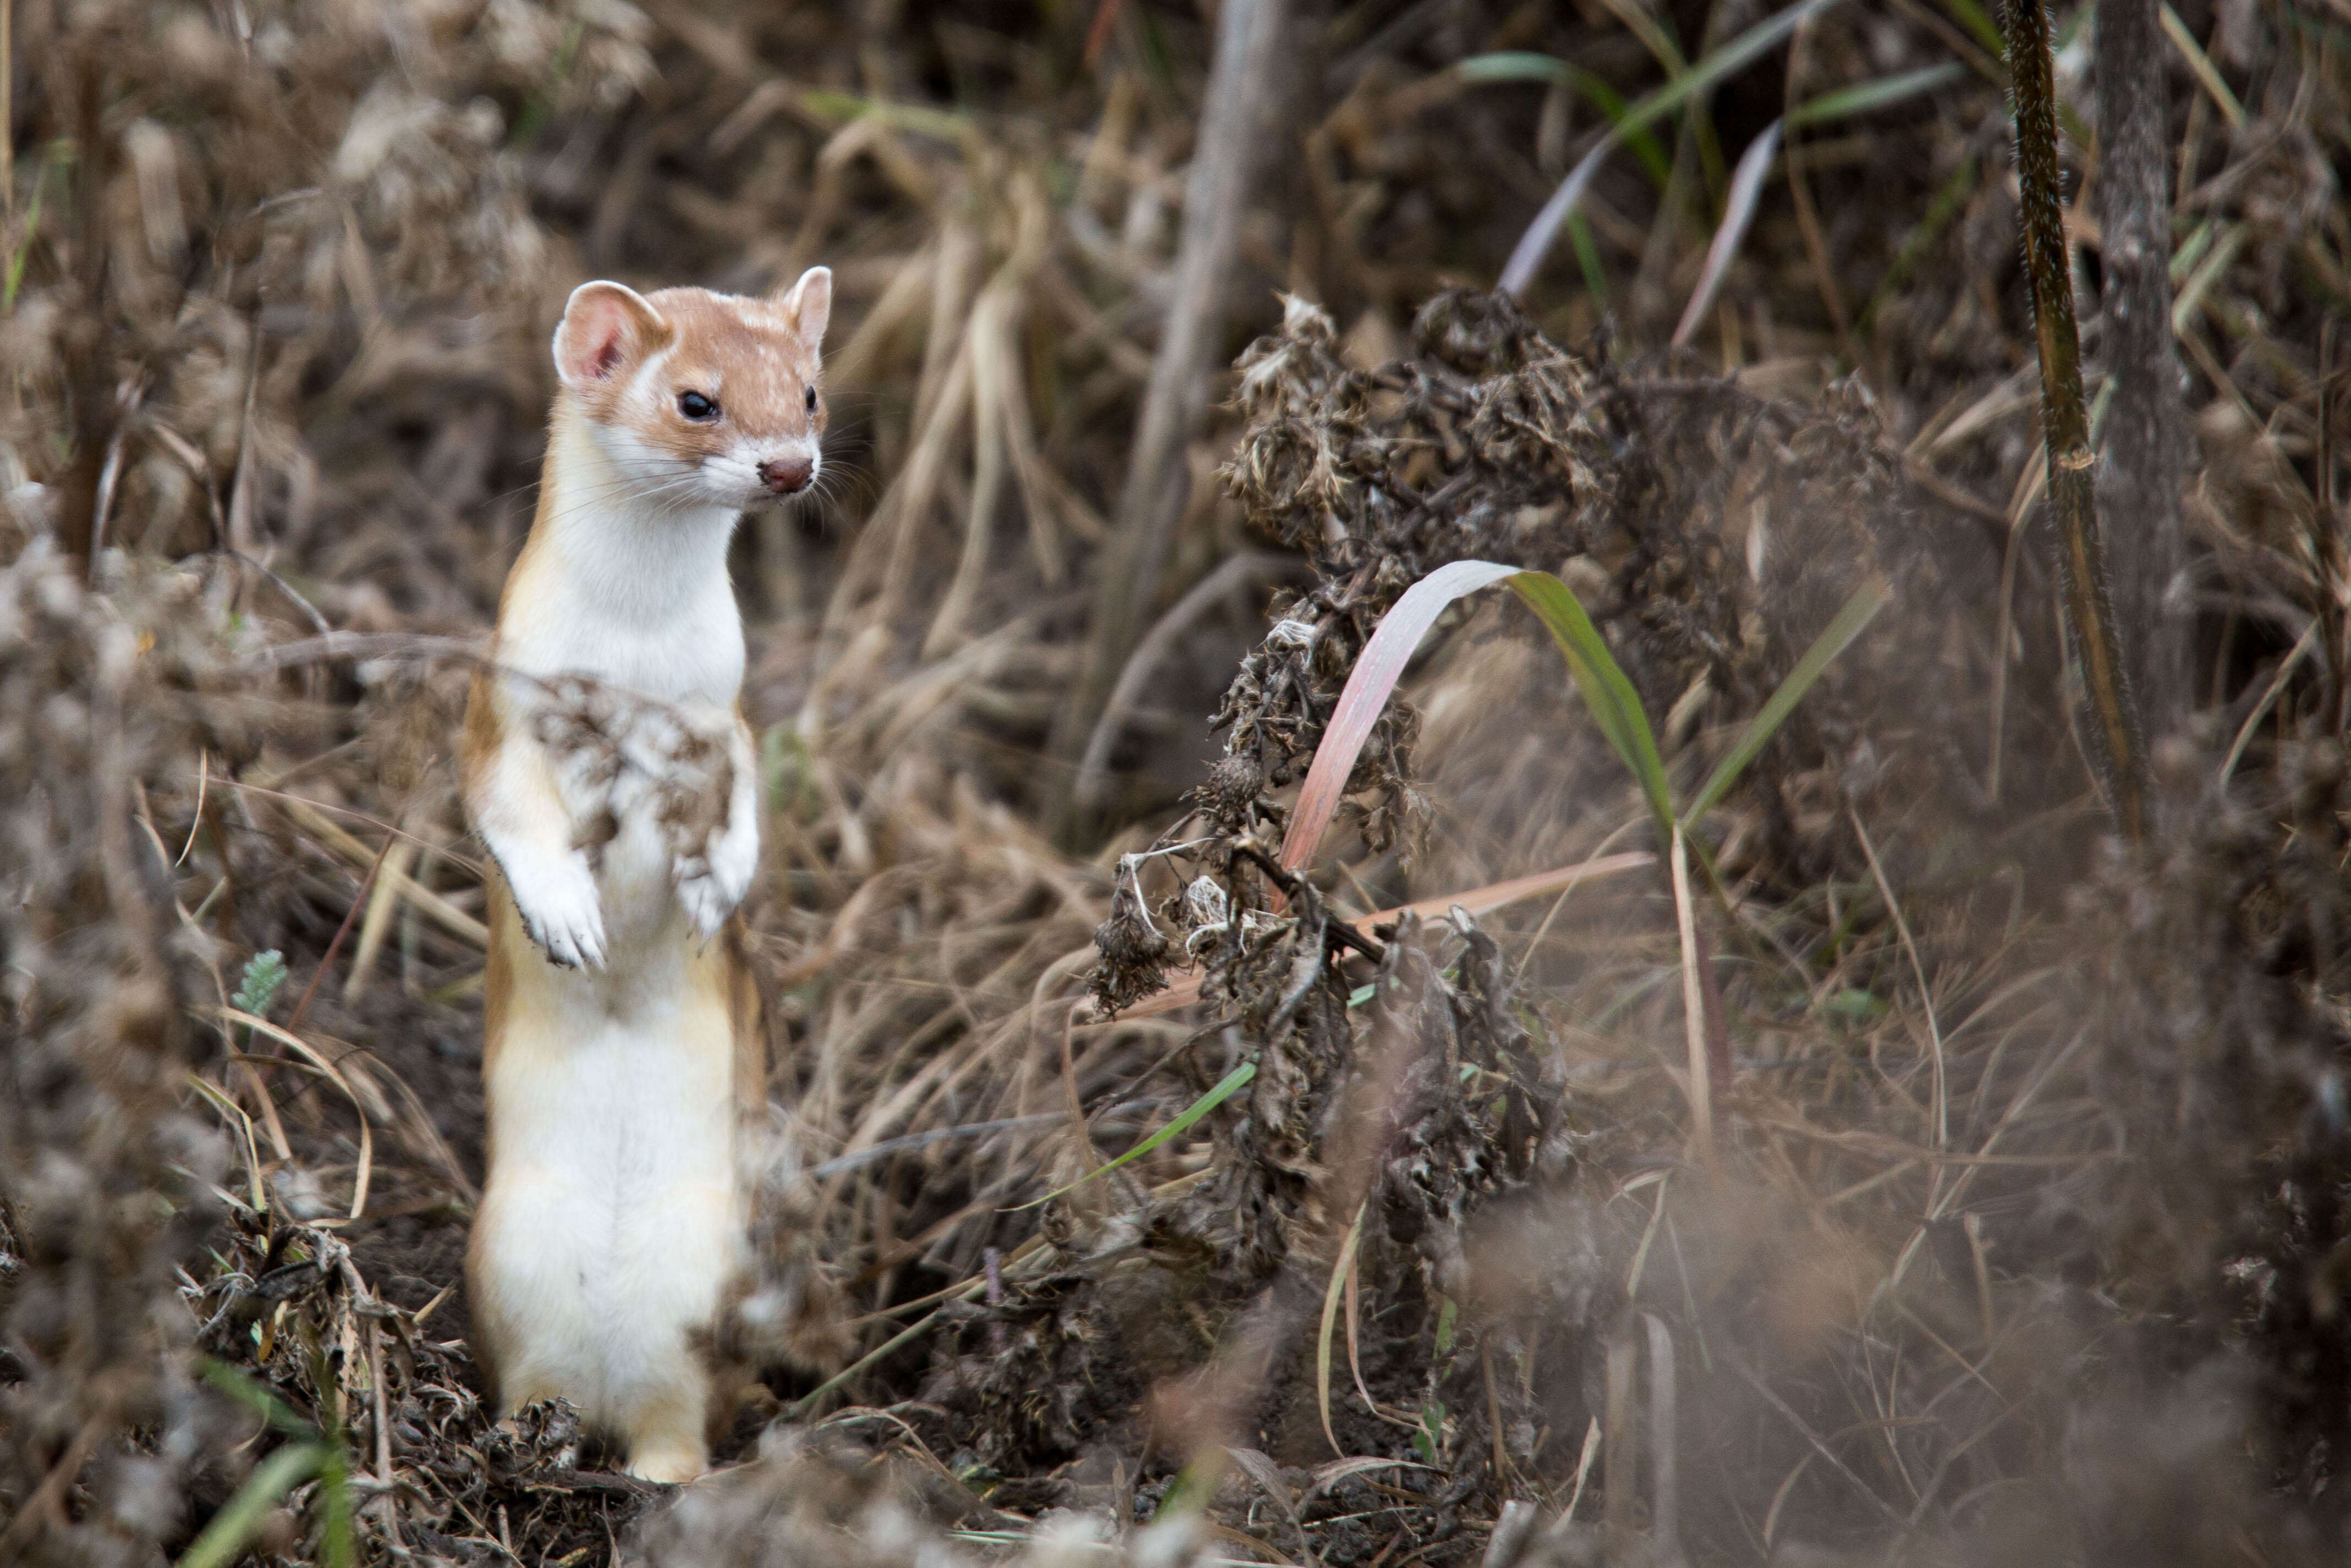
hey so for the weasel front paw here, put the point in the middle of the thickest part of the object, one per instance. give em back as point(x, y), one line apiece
point(557, 899)
point(711, 885)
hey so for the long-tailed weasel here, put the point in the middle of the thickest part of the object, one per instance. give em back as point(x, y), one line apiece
point(610, 773)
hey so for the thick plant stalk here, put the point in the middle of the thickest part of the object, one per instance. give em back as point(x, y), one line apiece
point(2065, 425)
point(1244, 82)
point(2145, 431)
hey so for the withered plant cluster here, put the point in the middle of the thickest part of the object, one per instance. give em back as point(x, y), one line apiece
point(1137, 1193)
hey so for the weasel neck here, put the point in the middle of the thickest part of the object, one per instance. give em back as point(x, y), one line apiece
point(621, 584)
point(620, 550)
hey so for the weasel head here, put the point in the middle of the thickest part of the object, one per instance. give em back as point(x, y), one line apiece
point(700, 399)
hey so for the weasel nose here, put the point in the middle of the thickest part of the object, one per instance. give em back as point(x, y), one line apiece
point(786, 475)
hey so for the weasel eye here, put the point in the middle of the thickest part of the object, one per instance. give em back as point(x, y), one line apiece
point(812, 399)
point(695, 406)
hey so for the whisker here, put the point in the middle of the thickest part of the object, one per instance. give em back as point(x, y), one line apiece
point(667, 495)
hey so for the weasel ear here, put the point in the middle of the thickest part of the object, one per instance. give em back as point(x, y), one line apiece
point(606, 328)
point(809, 305)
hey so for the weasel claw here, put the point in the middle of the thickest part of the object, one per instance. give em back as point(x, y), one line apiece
point(559, 910)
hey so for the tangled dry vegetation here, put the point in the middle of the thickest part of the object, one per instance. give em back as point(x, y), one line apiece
point(2024, 1237)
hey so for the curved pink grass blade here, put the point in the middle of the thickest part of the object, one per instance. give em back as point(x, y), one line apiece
point(1738, 214)
point(1377, 669)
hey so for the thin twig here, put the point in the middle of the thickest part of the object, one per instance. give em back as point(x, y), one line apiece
point(1804, 1428)
point(877, 1153)
point(1918, 971)
point(332, 644)
point(1231, 575)
point(294, 1023)
point(308, 610)
point(1808, 219)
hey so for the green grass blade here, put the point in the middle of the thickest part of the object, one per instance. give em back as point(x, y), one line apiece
point(340, 1543)
point(1947, 202)
point(240, 1518)
point(257, 1398)
point(1229, 1085)
point(1615, 705)
point(1587, 257)
point(1523, 66)
point(339, 1547)
point(1862, 98)
point(2192, 250)
point(946, 124)
point(1864, 603)
point(1654, 31)
point(1708, 73)
point(1978, 22)
point(25, 247)
point(1700, 79)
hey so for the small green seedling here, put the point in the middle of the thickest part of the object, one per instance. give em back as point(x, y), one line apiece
point(264, 977)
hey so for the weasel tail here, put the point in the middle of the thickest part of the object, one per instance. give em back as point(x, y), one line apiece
point(608, 770)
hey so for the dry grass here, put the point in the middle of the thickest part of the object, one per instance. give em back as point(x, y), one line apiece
point(2024, 1238)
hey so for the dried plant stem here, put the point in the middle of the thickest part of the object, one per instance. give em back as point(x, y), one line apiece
point(1231, 145)
point(382, 904)
point(335, 948)
point(1693, 1009)
point(86, 363)
point(385, 1507)
point(316, 823)
point(1616, 1443)
point(2144, 426)
point(1236, 574)
point(987, 329)
point(1926, 992)
point(2327, 537)
point(2066, 420)
point(1807, 218)
point(1665, 1488)
point(7, 110)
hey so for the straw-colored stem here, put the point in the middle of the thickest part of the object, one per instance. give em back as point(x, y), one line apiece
point(1243, 96)
point(1693, 1009)
point(2143, 432)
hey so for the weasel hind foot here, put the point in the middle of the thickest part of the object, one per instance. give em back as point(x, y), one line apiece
point(672, 1464)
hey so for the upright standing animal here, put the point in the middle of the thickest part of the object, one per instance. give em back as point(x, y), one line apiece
point(607, 767)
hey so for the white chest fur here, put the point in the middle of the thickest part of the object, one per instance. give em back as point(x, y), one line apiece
point(620, 657)
point(626, 586)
